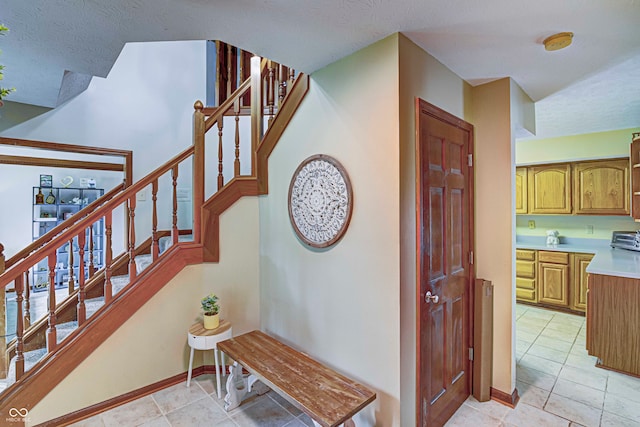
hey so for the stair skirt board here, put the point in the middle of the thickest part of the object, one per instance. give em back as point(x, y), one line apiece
point(92, 410)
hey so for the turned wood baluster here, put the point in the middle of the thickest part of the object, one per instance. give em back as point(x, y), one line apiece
point(155, 249)
point(174, 227)
point(108, 257)
point(19, 329)
point(70, 266)
point(52, 340)
point(282, 83)
point(82, 309)
point(292, 76)
point(27, 302)
point(236, 162)
point(271, 91)
point(92, 268)
point(132, 238)
point(220, 176)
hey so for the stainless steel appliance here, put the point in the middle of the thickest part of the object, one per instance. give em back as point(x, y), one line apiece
point(629, 240)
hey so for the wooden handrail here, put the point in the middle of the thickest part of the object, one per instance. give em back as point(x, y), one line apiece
point(228, 103)
point(83, 223)
point(46, 238)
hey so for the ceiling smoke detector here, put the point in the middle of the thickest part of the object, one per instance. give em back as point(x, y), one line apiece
point(558, 41)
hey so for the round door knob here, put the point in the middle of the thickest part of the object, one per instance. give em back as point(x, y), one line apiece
point(429, 298)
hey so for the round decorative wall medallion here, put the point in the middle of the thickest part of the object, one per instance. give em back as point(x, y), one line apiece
point(320, 201)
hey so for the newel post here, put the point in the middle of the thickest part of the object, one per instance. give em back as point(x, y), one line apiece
point(3, 324)
point(256, 110)
point(198, 169)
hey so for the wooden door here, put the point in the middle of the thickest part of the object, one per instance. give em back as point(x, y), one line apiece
point(602, 188)
point(521, 191)
point(445, 242)
point(549, 189)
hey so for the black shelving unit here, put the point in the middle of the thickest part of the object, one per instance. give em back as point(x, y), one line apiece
point(58, 204)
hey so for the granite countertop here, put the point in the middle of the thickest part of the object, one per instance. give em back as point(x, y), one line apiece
point(607, 260)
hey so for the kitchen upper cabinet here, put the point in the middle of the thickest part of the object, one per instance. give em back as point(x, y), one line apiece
point(521, 191)
point(579, 277)
point(602, 187)
point(635, 177)
point(553, 278)
point(549, 189)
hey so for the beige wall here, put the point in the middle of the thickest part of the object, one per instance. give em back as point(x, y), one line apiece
point(341, 305)
point(494, 215)
point(152, 345)
point(424, 77)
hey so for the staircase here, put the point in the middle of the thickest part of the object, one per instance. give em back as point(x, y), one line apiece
point(100, 301)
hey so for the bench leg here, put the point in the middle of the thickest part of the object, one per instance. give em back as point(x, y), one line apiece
point(234, 395)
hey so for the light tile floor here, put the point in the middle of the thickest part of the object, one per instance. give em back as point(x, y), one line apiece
point(556, 379)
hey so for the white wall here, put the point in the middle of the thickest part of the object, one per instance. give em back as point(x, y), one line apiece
point(145, 105)
point(341, 305)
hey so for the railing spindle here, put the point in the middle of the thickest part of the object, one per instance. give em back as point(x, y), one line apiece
point(174, 227)
point(27, 301)
point(132, 238)
point(71, 283)
point(282, 84)
point(19, 329)
point(92, 268)
point(155, 249)
point(220, 176)
point(271, 92)
point(52, 341)
point(82, 309)
point(236, 162)
point(108, 257)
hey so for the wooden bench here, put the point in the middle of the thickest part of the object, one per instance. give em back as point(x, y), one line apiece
point(329, 398)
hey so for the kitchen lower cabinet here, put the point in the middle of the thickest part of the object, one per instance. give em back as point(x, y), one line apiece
point(526, 275)
point(613, 322)
point(579, 276)
point(553, 278)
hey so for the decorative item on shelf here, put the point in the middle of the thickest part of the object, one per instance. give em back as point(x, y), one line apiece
point(211, 311)
point(320, 201)
point(66, 181)
point(91, 183)
point(51, 199)
point(39, 197)
point(46, 181)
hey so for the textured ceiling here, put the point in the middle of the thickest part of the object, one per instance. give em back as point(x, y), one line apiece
point(591, 86)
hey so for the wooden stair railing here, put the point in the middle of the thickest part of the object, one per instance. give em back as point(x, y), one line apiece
point(261, 89)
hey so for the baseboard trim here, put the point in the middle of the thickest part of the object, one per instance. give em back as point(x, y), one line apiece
point(510, 400)
point(92, 410)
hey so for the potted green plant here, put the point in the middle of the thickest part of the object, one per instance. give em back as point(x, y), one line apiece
point(3, 91)
point(211, 311)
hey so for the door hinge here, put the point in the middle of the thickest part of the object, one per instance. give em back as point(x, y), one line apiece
point(470, 159)
point(470, 257)
point(471, 353)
